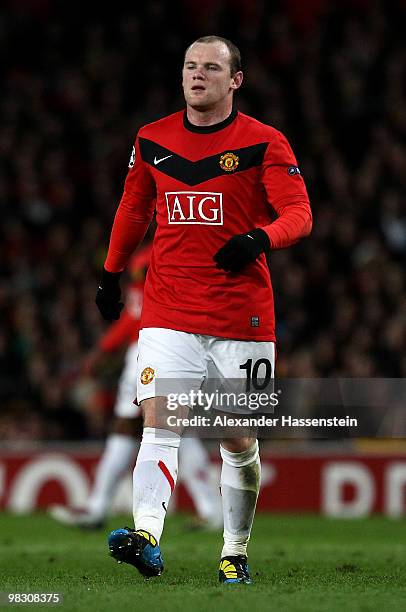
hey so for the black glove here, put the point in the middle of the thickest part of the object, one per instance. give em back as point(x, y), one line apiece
point(241, 250)
point(108, 295)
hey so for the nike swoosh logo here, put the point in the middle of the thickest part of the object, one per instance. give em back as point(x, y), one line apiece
point(158, 161)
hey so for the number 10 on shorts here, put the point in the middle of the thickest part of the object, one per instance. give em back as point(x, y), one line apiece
point(259, 373)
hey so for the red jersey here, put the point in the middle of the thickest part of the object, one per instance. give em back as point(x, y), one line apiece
point(208, 184)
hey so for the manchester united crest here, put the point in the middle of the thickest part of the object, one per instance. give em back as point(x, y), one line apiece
point(147, 375)
point(229, 162)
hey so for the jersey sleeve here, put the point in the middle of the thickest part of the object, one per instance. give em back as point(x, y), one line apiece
point(120, 333)
point(286, 192)
point(134, 213)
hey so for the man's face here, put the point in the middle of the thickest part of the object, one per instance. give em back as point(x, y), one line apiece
point(207, 80)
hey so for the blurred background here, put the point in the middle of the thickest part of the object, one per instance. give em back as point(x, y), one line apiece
point(76, 85)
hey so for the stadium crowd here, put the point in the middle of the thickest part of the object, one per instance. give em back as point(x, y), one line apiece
point(76, 86)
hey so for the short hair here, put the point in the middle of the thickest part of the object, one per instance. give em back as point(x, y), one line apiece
point(235, 55)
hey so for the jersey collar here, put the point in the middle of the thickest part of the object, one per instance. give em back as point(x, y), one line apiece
point(208, 129)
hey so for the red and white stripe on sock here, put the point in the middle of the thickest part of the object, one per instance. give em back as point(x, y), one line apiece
point(154, 479)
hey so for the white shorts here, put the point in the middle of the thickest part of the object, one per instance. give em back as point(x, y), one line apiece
point(192, 360)
point(127, 386)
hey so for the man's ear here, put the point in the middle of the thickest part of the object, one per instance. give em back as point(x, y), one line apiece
point(237, 80)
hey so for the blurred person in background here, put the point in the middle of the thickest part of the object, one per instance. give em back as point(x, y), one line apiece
point(123, 442)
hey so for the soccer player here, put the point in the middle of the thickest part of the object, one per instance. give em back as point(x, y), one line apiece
point(228, 191)
point(122, 444)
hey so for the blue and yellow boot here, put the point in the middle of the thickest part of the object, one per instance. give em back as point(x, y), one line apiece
point(138, 548)
point(234, 570)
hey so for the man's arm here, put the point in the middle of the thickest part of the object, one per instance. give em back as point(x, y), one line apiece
point(131, 222)
point(287, 194)
point(133, 215)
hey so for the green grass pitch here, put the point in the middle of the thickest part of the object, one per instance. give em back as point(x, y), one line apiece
point(299, 563)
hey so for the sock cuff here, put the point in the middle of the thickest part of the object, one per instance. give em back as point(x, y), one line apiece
point(251, 455)
point(236, 543)
point(154, 435)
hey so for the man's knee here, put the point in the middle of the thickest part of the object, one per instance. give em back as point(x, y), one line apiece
point(156, 414)
point(238, 445)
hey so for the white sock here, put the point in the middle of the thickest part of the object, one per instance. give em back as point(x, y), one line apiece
point(118, 456)
point(240, 482)
point(154, 479)
point(195, 471)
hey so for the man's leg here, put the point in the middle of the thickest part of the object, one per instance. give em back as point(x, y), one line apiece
point(154, 480)
point(240, 482)
point(239, 363)
point(166, 359)
point(156, 469)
